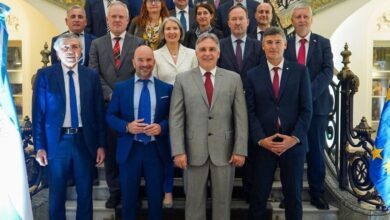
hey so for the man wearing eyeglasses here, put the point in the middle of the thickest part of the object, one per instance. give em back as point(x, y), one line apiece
point(68, 126)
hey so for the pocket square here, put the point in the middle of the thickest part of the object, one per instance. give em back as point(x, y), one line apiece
point(164, 97)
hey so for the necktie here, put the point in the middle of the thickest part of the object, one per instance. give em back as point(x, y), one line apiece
point(208, 85)
point(116, 51)
point(216, 3)
point(73, 101)
point(261, 33)
point(183, 20)
point(239, 54)
point(302, 52)
point(144, 110)
point(275, 82)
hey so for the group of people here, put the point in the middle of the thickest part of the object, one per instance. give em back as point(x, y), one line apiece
point(206, 89)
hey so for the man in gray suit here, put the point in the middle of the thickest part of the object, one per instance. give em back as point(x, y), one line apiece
point(111, 56)
point(209, 130)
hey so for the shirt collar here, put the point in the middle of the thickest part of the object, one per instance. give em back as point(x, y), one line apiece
point(178, 10)
point(298, 38)
point(234, 39)
point(151, 79)
point(122, 36)
point(280, 65)
point(66, 69)
point(78, 34)
point(213, 71)
point(243, 2)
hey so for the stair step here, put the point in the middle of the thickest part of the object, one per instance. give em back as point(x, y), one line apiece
point(100, 212)
point(309, 212)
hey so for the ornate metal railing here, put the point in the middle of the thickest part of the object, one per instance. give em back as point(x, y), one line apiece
point(348, 149)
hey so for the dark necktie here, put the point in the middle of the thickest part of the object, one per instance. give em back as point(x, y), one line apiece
point(302, 52)
point(239, 54)
point(116, 51)
point(183, 20)
point(275, 82)
point(73, 101)
point(144, 110)
point(261, 33)
point(208, 85)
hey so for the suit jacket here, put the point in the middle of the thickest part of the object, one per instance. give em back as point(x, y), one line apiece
point(190, 38)
point(166, 70)
point(101, 59)
point(88, 38)
point(253, 54)
point(222, 16)
point(136, 30)
point(191, 17)
point(96, 16)
point(48, 110)
point(121, 111)
point(319, 61)
point(203, 132)
point(293, 107)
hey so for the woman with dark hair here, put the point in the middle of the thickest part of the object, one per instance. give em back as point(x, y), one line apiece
point(171, 59)
point(205, 20)
point(147, 24)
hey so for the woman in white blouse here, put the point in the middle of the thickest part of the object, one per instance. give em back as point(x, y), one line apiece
point(172, 58)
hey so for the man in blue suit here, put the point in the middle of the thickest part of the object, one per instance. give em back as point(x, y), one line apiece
point(239, 53)
point(279, 109)
point(223, 12)
point(97, 11)
point(68, 126)
point(138, 112)
point(314, 51)
point(76, 21)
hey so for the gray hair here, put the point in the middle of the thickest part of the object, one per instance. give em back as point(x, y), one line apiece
point(274, 31)
point(205, 36)
point(60, 40)
point(302, 5)
point(175, 20)
point(73, 7)
point(115, 2)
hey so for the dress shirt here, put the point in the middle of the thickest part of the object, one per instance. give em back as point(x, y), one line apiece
point(212, 76)
point(186, 15)
point(298, 44)
point(122, 36)
point(242, 45)
point(138, 85)
point(67, 120)
point(280, 71)
point(243, 2)
point(258, 34)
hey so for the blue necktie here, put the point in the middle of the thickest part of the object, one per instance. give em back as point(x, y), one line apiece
point(73, 101)
point(144, 110)
point(183, 20)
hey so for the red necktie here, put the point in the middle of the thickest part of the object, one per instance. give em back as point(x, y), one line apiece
point(116, 51)
point(208, 85)
point(302, 52)
point(275, 82)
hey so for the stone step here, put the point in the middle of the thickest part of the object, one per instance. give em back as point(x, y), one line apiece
point(101, 192)
point(309, 212)
point(100, 212)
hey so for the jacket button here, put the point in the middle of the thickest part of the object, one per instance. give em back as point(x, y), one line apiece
point(210, 117)
point(210, 134)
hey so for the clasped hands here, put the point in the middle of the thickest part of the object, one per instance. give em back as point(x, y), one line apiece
point(278, 143)
point(181, 160)
point(138, 126)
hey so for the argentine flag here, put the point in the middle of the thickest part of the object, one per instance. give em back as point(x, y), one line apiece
point(15, 203)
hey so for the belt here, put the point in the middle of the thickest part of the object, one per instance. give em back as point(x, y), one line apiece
point(71, 130)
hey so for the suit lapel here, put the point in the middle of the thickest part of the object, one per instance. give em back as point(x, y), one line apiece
point(167, 55)
point(217, 86)
point(197, 76)
point(82, 81)
point(125, 49)
point(157, 88)
point(131, 97)
point(247, 51)
point(108, 46)
point(230, 53)
point(292, 50)
point(60, 81)
point(312, 47)
point(181, 56)
point(266, 78)
point(285, 75)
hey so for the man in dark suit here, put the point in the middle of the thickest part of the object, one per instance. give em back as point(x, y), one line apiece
point(143, 144)
point(279, 109)
point(223, 12)
point(239, 53)
point(68, 126)
point(96, 11)
point(111, 56)
point(76, 21)
point(184, 13)
point(263, 18)
point(315, 52)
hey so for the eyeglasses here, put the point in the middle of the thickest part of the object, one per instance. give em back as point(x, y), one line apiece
point(153, 1)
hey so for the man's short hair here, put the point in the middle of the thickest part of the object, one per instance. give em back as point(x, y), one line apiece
point(274, 31)
point(302, 5)
point(63, 37)
point(238, 6)
point(114, 2)
point(73, 7)
point(205, 36)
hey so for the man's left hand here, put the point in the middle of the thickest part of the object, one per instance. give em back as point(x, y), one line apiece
point(287, 143)
point(237, 160)
point(100, 156)
point(152, 129)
